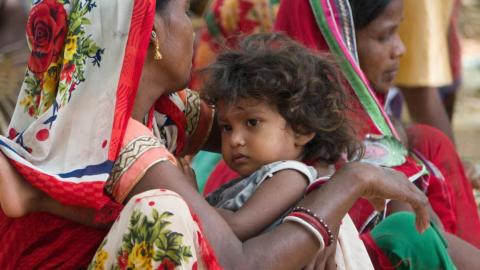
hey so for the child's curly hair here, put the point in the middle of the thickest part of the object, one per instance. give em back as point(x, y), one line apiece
point(303, 85)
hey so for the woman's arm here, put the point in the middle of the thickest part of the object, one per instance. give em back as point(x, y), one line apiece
point(271, 199)
point(289, 240)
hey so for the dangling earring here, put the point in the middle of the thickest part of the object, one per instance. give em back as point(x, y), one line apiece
point(158, 54)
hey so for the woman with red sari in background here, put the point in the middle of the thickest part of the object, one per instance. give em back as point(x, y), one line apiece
point(327, 25)
point(112, 160)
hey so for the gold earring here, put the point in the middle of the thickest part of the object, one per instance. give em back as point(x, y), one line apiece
point(158, 54)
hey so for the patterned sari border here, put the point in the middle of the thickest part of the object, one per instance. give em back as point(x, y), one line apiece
point(127, 157)
point(135, 53)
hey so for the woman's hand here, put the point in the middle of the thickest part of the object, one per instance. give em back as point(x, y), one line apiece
point(184, 164)
point(384, 183)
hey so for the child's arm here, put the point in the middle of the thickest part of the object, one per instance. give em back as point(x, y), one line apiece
point(18, 198)
point(272, 198)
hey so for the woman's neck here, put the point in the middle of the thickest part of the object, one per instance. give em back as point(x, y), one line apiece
point(149, 91)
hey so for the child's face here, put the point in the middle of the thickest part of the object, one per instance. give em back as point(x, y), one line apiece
point(254, 134)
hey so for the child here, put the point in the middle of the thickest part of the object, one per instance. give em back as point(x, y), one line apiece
point(278, 105)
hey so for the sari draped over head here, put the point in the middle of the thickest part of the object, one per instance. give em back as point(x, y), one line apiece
point(70, 119)
point(327, 25)
point(72, 137)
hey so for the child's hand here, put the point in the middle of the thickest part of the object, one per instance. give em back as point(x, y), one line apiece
point(184, 165)
point(17, 196)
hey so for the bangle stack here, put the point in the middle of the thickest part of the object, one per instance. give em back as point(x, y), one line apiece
point(319, 182)
point(313, 224)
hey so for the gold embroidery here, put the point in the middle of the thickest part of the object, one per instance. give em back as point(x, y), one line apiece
point(128, 155)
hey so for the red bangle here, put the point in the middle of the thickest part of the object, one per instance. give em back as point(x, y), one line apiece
point(317, 184)
point(315, 224)
point(315, 221)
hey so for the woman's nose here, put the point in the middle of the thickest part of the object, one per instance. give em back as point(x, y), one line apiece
point(398, 47)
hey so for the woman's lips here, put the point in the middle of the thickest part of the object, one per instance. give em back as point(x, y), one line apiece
point(391, 74)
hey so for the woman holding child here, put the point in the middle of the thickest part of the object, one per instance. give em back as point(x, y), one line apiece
point(113, 161)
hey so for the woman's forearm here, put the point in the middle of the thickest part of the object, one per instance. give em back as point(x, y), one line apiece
point(331, 202)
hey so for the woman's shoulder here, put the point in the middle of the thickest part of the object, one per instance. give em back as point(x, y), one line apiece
point(139, 152)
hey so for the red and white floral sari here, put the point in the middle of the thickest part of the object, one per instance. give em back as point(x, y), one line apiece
point(72, 137)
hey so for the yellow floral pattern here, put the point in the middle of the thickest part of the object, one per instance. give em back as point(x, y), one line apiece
point(100, 259)
point(70, 48)
point(141, 256)
point(148, 242)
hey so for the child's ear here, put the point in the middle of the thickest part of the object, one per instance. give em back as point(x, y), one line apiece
point(303, 139)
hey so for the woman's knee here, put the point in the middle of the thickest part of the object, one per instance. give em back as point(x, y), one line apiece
point(399, 239)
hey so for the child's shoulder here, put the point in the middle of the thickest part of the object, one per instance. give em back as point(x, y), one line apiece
point(270, 169)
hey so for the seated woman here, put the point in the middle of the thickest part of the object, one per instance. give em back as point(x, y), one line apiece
point(103, 158)
point(325, 25)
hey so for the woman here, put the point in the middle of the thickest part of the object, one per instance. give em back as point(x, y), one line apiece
point(425, 141)
point(325, 25)
point(117, 52)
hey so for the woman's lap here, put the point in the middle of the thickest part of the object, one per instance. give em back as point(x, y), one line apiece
point(437, 148)
point(42, 240)
point(406, 248)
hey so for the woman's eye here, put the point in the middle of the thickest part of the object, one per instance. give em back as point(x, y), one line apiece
point(386, 36)
point(383, 38)
point(252, 122)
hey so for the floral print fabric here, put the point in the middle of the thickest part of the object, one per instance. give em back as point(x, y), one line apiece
point(155, 230)
point(75, 101)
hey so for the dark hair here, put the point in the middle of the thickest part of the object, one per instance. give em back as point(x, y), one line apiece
point(303, 85)
point(365, 11)
point(161, 5)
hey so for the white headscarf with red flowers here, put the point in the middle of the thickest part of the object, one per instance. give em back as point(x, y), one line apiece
point(83, 71)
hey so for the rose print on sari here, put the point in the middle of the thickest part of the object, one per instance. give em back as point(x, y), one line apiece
point(53, 74)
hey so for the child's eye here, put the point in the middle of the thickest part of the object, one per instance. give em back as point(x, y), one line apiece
point(226, 128)
point(252, 122)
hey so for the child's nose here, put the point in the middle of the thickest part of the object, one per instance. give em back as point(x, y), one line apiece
point(237, 138)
